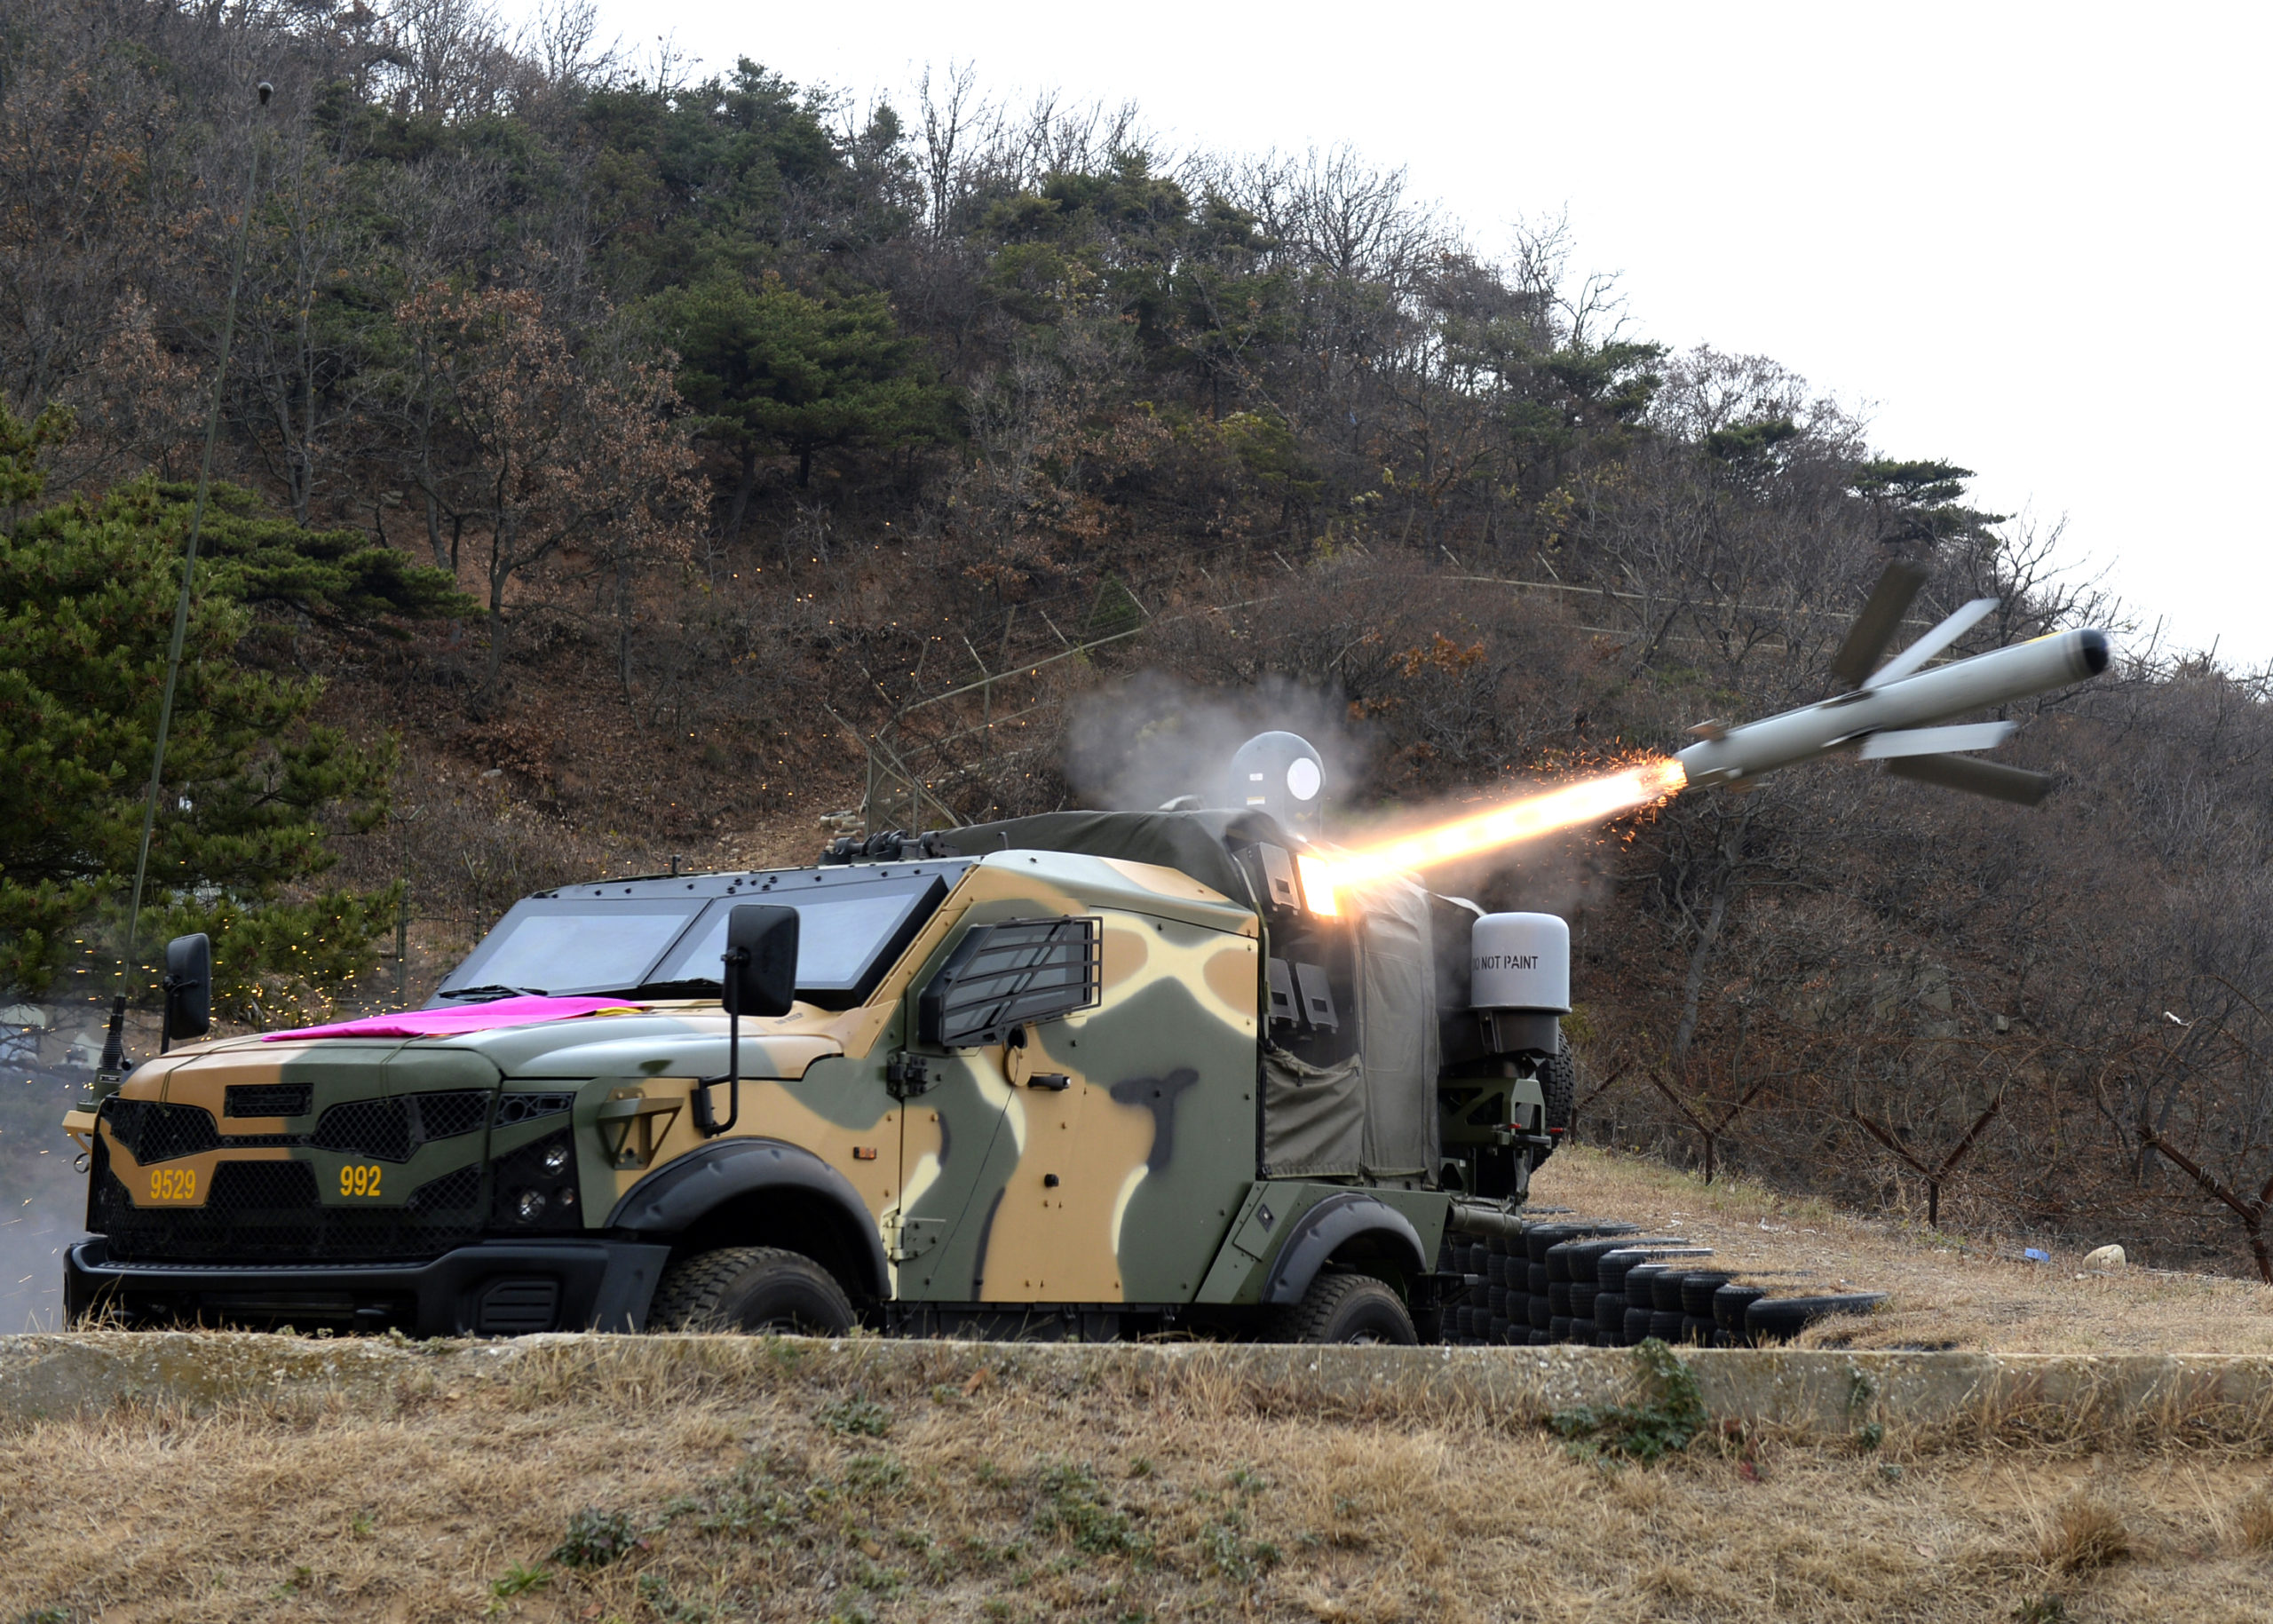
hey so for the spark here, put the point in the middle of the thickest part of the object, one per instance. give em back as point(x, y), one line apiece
point(1590, 800)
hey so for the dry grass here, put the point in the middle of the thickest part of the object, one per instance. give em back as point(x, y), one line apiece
point(766, 1483)
point(1946, 1290)
point(2254, 1523)
point(2082, 1533)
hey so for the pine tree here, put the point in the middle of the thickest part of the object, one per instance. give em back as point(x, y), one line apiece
point(770, 368)
point(87, 594)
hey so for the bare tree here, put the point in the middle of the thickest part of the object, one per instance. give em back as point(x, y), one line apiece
point(542, 450)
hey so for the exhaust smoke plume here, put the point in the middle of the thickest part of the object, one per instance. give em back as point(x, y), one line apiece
point(1140, 744)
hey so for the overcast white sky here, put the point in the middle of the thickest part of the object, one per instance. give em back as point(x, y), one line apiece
point(2027, 238)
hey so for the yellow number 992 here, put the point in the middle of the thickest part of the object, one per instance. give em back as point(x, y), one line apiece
point(359, 1178)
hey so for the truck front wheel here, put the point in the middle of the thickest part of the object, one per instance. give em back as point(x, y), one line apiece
point(750, 1288)
point(1349, 1308)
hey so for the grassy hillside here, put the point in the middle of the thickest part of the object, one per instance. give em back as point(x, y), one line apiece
point(785, 1480)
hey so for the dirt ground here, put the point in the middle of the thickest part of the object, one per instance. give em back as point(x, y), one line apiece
point(773, 1484)
point(1945, 1289)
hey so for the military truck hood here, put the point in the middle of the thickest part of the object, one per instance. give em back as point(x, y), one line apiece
point(667, 1040)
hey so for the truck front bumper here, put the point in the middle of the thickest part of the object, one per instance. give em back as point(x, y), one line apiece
point(490, 1289)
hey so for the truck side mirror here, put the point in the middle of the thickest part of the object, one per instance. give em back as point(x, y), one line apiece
point(761, 960)
point(189, 989)
point(759, 977)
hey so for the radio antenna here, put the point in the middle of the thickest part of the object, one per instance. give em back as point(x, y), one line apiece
point(113, 1059)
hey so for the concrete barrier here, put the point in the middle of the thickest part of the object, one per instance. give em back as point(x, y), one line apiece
point(2084, 1398)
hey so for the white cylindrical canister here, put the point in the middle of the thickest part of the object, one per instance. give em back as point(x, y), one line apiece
point(1520, 961)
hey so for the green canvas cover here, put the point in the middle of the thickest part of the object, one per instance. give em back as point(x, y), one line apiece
point(1199, 843)
point(1397, 1029)
point(1313, 1116)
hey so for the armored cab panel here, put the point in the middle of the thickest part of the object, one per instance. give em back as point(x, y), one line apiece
point(1096, 1154)
point(1349, 1058)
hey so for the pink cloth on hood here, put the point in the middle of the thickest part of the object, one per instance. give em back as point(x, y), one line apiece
point(527, 1010)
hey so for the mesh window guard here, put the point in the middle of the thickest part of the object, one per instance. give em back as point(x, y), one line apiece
point(1003, 976)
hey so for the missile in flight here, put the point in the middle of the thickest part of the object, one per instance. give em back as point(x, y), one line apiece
point(1889, 713)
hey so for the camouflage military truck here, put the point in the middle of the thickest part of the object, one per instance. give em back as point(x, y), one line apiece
point(1083, 1074)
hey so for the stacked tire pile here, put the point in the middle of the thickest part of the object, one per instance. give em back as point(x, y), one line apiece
point(1601, 1283)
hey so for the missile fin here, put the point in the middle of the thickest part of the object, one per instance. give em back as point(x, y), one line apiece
point(1911, 660)
point(1992, 779)
point(1875, 626)
point(1935, 741)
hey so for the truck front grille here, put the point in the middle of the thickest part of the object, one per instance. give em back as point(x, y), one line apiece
point(386, 1129)
point(266, 1098)
point(154, 1132)
point(267, 1212)
point(390, 1129)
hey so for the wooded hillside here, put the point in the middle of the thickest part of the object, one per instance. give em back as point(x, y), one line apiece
point(950, 459)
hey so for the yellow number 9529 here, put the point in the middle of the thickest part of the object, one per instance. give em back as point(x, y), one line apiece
point(359, 1178)
point(173, 1184)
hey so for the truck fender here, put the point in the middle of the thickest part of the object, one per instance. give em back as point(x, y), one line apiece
point(1326, 1228)
point(673, 1199)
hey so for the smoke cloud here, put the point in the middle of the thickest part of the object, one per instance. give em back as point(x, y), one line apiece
point(1138, 744)
point(42, 1198)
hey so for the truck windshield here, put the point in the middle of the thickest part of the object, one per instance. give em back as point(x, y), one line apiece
point(840, 937)
point(848, 936)
point(600, 946)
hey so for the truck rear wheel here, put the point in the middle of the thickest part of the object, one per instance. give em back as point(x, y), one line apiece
point(751, 1288)
point(1354, 1307)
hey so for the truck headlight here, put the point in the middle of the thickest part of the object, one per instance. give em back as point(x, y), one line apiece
point(535, 1190)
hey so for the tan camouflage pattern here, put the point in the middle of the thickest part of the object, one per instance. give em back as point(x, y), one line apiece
point(1118, 1188)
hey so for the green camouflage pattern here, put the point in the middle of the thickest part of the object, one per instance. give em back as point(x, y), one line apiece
point(1122, 1187)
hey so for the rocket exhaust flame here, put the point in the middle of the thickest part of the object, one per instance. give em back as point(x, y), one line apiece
point(1590, 800)
point(1887, 714)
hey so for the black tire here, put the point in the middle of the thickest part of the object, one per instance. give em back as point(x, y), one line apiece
point(1697, 1293)
point(1559, 1080)
point(760, 1290)
point(1610, 1317)
point(1781, 1319)
point(1610, 1267)
point(1348, 1308)
point(1729, 1304)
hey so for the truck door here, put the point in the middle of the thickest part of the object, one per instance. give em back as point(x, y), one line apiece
point(991, 1085)
point(1092, 1149)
